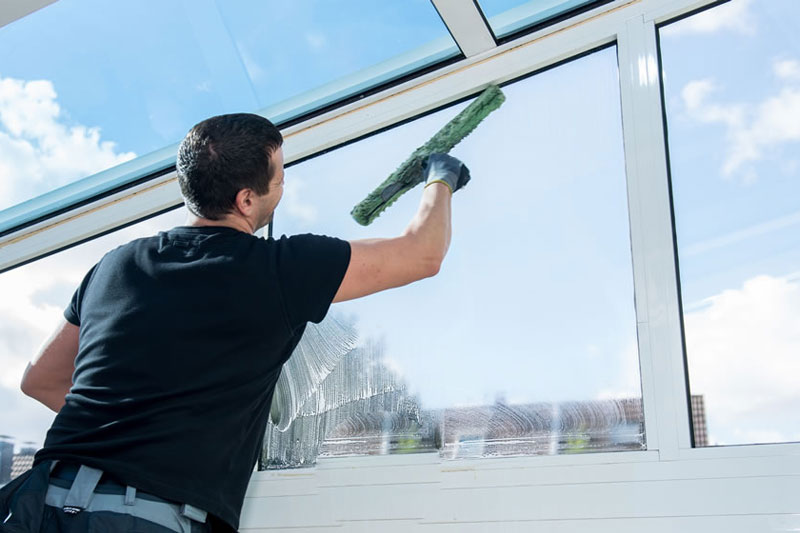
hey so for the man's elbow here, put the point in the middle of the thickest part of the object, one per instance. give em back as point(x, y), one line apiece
point(28, 384)
point(31, 384)
point(431, 266)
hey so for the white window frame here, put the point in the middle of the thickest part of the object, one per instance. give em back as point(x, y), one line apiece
point(632, 25)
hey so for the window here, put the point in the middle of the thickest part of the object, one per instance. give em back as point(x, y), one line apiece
point(92, 85)
point(525, 343)
point(510, 16)
point(732, 96)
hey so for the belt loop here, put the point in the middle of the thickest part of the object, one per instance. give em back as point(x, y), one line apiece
point(130, 495)
point(53, 465)
point(193, 513)
point(82, 489)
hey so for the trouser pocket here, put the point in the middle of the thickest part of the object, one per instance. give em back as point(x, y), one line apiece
point(22, 501)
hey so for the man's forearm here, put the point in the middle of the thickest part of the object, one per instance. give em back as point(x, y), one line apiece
point(430, 228)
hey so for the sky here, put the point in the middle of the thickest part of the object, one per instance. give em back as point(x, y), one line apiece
point(535, 299)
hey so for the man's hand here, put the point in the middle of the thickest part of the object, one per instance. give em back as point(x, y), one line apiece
point(443, 168)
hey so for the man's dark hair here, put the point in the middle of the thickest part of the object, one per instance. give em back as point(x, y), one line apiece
point(223, 155)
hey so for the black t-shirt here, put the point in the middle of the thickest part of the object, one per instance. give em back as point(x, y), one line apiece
point(182, 338)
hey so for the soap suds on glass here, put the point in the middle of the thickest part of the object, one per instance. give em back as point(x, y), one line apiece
point(338, 396)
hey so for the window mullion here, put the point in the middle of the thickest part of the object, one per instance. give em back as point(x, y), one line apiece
point(467, 26)
point(655, 278)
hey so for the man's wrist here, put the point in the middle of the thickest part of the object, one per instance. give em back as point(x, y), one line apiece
point(441, 182)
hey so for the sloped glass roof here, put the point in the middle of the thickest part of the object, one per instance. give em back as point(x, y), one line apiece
point(506, 17)
point(106, 89)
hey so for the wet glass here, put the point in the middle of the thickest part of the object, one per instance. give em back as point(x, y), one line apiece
point(732, 96)
point(525, 342)
point(510, 16)
point(105, 89)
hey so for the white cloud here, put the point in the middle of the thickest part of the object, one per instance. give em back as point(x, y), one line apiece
point(787, 69)
point(734, 16)
point(752, 129)
point(303, 212)
point(695, 92)
point(742, 350)
point(39, 150)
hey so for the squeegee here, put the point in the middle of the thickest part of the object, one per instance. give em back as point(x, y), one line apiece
point(410, 173)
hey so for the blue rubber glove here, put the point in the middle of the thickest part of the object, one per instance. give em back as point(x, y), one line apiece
point(443, 168)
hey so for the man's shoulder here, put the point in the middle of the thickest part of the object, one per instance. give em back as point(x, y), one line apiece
point(310, 247)
point(305, 239)
point(132, 246)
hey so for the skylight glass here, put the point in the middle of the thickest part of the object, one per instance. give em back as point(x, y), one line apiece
point(90, 84)
point(510, 16)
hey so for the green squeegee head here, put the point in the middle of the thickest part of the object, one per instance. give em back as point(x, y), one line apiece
point(409, 174)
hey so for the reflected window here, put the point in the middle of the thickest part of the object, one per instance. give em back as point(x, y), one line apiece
point(525, 342)
point(91, 85)
point(732, 97)
point(507, 17)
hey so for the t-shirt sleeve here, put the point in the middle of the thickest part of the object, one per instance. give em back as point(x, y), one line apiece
point(310, 269)
point(73, 311)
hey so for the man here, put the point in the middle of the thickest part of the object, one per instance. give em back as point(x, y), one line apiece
point(163, 371)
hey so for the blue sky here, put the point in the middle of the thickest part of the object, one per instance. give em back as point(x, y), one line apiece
point(738, 71)
point(536, 292)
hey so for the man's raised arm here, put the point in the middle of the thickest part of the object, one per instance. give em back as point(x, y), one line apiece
point(380, 264)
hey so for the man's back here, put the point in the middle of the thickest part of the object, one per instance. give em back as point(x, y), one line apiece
point(182, 338)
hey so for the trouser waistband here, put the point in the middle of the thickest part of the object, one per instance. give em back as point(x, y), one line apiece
point(82, 494)
point(63, 475)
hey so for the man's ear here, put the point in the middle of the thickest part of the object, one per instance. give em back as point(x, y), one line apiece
point(244, 202)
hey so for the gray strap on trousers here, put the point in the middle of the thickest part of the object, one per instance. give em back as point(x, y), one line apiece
point(130, 495)
point(82, 490)
point(193, 513)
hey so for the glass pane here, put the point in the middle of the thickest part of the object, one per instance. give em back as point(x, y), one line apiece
point(92, 84)
point(525, 342)
point(34, 298)
point(509, 16)
point(732, 92)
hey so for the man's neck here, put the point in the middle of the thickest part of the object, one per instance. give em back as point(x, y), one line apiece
point(229, 221)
